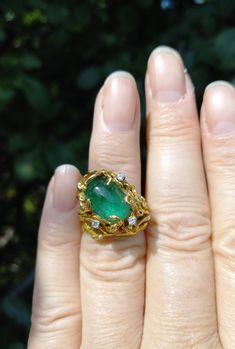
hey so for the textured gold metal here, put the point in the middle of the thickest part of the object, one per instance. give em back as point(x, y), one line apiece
point(139, 209)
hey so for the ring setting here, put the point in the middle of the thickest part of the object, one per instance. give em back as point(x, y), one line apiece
point(110, 206)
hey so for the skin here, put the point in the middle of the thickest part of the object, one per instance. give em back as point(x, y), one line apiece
point(172, 286)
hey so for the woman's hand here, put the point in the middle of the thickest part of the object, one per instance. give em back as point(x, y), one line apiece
point(163, 289)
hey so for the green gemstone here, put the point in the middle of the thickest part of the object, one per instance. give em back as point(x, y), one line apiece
point(107, 199)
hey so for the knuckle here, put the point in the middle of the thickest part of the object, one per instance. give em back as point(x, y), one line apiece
point(116, 150)
point(122, 152)
point(186, 230)
point(50, 318)
point(114, 261)
point(221, 156)
point(181, 336)
point(224, 245)
point(172, 125)
point(54, 235)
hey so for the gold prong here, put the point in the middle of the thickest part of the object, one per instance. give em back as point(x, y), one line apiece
point(109, 180)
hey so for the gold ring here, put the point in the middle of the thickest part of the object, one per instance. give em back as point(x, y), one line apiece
point(110, 206)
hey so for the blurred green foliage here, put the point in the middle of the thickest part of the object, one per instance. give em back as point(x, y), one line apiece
point(54, 56)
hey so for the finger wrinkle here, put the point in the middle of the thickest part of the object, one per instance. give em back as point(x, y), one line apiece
point(224, 245)
point(174, 200)
point(120, 149)
point(51, 242)
point(114, 266)
point(168, 236)
point(172, 125)
point(220, 160)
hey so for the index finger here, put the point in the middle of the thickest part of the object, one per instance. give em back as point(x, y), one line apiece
point(56, 315)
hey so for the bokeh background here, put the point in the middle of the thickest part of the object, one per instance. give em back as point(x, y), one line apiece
point(54, 56)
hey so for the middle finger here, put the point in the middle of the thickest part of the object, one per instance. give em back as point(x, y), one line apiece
point(180, 295)
point(112, 272)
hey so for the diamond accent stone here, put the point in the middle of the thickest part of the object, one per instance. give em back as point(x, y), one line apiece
point(132, 220)
point(120, 177)
point(95, 223)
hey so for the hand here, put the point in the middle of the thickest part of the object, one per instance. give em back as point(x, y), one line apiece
point(162, 289)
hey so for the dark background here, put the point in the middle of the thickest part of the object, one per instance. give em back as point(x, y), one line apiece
point(54, 56)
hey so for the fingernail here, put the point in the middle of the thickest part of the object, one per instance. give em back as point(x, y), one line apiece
point(166, 75)
point(219, 106)
point(65, 180)
point(119, 103)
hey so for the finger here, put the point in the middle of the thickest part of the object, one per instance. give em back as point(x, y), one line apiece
point(218, 130)
point(56, 315)
point(180, 296)
point(112, 272)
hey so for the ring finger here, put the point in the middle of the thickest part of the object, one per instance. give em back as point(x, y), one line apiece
point(218, 130)
point(112, 272)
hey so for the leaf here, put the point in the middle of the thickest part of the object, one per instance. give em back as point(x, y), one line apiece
point(29, 61)
point(9, 61)
point(56, 13)
point(19, 142)
point(81, 17)
point(232, 81)
point(36, 3)
point(16, 310)
point(89, 78)
point(35, 92)
point(32, 17)
point(25, 170)
point(16, 346)
point(6, 94)
point(224, 49)
point(30, 166)
point(2, 35)
point(57, 154)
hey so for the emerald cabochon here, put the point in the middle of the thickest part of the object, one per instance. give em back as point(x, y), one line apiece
point(107, 199)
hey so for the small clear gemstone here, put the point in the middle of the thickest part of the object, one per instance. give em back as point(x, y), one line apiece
point(120, 177)
point(95, 223)
point(132, 220)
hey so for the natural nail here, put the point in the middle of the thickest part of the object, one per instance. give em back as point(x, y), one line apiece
point(219, 107)
point(65, 179)
point(166, 75)
point(119, 104)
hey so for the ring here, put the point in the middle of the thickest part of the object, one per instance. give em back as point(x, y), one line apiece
point(110, 206)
